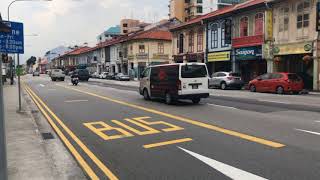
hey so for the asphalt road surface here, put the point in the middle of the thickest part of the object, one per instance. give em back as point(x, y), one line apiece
point(114, 134)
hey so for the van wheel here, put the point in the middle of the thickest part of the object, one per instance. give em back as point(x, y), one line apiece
point(146, 94)
point(196, 100)
point(168, 98)
point(223, 86)
point(280, 90)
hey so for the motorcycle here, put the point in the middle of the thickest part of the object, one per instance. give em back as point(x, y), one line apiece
point(75, 81)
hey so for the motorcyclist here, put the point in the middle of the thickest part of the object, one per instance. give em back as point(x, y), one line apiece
point(74, 75)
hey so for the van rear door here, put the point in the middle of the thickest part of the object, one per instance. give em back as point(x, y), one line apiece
point(194, 78)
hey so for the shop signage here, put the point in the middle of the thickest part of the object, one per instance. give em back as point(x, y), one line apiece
point(160, 56)
point(297, 48)
point(269, 26)
point(12, 41)
point(219, 56)
point(247, 41)
point(318, 16)
point(142, 56)
point(248, 53)
point(130, 57)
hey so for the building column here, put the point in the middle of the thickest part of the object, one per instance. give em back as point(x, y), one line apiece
point(235, 67)
point(316, 67)
point(270, 65)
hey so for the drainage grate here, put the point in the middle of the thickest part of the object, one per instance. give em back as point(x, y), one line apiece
point(47, 136)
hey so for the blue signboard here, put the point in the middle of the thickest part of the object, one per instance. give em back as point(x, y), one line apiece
point(249, 53)
point(12, 42)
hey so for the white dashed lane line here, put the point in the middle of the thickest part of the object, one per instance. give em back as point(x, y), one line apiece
point(228, 107)
point(310, 132)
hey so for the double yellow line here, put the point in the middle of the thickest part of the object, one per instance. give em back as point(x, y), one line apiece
point(44, 109)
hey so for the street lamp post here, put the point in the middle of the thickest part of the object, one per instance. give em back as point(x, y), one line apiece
point(18, 57)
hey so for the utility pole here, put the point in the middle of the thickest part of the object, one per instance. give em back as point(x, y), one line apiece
point(3, 152)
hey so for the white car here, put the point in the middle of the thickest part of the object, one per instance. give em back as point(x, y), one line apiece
point(175, 81)
point(103, 75)
point(57, 74)
point(95, 75)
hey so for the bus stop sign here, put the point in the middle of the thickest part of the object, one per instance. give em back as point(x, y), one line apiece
point(12, 42)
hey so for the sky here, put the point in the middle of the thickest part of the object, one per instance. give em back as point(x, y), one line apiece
point(74, 22)
point(71, 22)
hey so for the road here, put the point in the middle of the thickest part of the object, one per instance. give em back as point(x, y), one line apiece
point(114, 134)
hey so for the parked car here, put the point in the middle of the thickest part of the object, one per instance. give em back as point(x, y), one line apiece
point(103, 75)
point(111, 76)
point(95, 75)
point(36, 73)
point(224, 80)
point(175, 81)
point(83, 74)
point(122, 77)
point(57, 74)
point(279, 83)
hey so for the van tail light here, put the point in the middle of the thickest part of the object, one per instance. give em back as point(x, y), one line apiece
point(288, 80)
point(179, 85)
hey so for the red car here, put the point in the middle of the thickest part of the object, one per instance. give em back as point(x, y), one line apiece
point(279, 83)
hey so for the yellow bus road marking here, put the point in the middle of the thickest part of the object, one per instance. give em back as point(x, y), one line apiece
point(190, 121)
point(148, 146)
point(93, 157)
point(72, 149)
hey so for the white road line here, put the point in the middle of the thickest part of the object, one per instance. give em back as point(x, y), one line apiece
point(41, 85)
point(222, 106)
point(229, 171)
point(310, 132)
point(317, 121)
point(73, 101)
point(271, 101)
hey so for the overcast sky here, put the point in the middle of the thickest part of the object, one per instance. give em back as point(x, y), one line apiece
point(70, 22)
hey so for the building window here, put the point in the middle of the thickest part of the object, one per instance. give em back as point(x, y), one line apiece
point(191, 41)
point(199, 9)
point(223, 34)
point(284, 19)
point(131, 49)
point(141, 49)
point(125, 31)
point(200, 40)
point(199, 1)
point(244, 27)
point(258, 24)
point(125, 25)
point(214, 36)
point(303, 17)
point(181, 39)
point(160, 48)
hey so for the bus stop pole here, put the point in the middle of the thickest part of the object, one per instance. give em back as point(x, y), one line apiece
point(3, 152)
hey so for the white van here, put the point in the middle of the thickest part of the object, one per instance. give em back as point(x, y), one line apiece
point(175, 81)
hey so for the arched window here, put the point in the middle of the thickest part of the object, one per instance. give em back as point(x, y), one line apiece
point(244, 27)
point(258, 24)
point(214, 36)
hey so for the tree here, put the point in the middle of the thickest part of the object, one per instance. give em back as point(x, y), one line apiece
point(31, 61)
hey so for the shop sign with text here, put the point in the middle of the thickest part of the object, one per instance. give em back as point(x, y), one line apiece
point(219, 56)
point(297, 48)
point(248, 53)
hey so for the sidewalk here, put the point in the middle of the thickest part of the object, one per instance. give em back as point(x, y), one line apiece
point(29, 155)
point(311, 99)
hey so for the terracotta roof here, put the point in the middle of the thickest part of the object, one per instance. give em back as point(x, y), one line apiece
point(154, 34)
point(191, 22)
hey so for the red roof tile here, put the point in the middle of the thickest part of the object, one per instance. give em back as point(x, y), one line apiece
point(155, 34)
